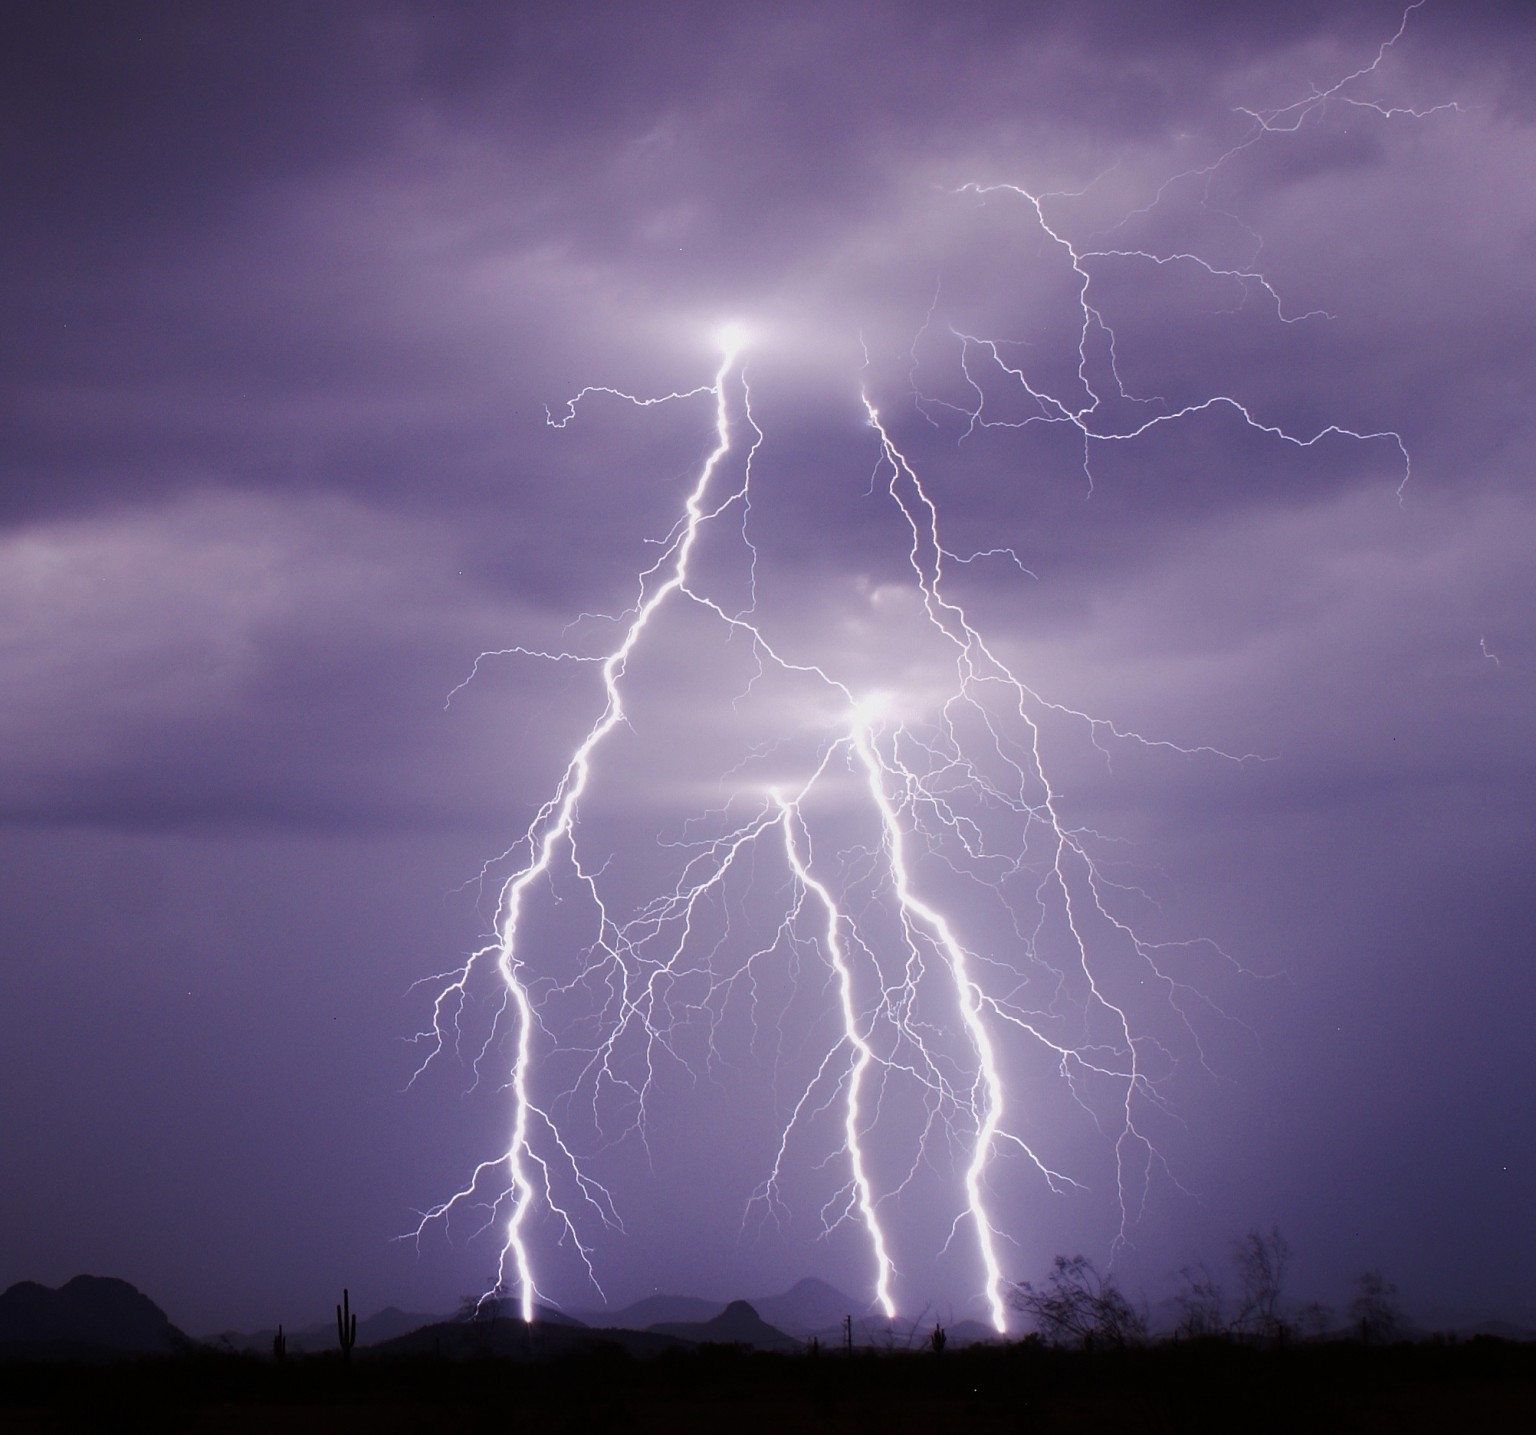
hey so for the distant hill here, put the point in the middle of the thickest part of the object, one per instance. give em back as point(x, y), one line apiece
point(511, 1339)
point(737, 1324)
point(303, 1340)
point(382, 1328)
point(87, 1318)
point(809, 1307)
point(813, 1309)
point(1499, 1330)
point(656, 1310)
point(507, 1308)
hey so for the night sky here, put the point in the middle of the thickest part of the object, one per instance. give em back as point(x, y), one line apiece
point(286, 291)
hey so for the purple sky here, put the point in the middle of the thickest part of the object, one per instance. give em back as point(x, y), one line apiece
point(286, 290)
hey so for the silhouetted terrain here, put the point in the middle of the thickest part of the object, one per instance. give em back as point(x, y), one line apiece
point(382, 1325)
point(786, 1322)
point(737, 1324)
point(87, 1318)
point(1192, 1387)
point(655, 1310)
point(97, 1353)
point(810, 1309)
point(508, 1338)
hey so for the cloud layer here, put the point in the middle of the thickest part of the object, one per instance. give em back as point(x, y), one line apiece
point(287, 296)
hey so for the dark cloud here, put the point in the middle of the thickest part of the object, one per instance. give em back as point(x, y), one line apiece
point(285, 294)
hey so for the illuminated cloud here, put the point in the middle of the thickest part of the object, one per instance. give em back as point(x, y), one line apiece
point(287, 298)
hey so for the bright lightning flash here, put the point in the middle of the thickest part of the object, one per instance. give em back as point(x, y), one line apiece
point(896, 802)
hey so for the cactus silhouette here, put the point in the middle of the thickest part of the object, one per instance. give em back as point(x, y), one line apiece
point(346, 1325)
point(279, 1344)
point(938, 1340)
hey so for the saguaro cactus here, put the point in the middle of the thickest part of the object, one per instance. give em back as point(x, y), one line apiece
point(346, 1325)
point(279, 1344)
point(938, 1340)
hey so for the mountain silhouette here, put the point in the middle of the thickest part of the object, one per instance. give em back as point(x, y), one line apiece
point(87, 1318)
point(737, 1324)
point(508, 1337)
point(321, 1335)
point(808, 1307)
point(657, 1310)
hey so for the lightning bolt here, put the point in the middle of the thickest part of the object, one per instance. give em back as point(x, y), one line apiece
point(553, 830)
point(919, 790)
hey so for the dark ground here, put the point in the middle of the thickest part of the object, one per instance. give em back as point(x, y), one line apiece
point(1478, 1385)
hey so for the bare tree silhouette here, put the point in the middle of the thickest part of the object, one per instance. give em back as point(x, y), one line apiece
point(1200, 1302)
point(1260, 1262)
point(1374, 1311)
point(1078, 1304)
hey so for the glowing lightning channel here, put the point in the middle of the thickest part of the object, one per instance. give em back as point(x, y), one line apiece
point(552, 827)
point(987, 1094)
point(938, 1002)
point(864, 1056)
point(979, 668)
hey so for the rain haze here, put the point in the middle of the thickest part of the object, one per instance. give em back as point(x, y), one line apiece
point(1203, 706)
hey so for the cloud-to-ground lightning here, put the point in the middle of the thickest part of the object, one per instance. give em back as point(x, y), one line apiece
point(905, 852)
